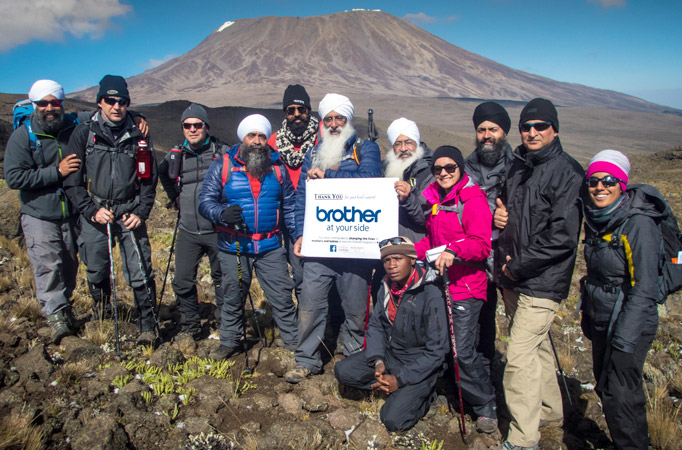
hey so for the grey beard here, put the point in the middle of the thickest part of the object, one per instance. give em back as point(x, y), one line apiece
point(490, 157)
point(257, 160)
point(49, 126)
point(395, 167)
point(330, 150)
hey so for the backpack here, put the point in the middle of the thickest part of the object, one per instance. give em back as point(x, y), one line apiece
point(21, 111)
point(670, 250)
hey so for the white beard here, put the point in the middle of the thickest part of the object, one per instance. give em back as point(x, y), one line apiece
point(330, 150)
point(395, 167)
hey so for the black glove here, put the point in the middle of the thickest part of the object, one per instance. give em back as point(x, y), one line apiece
point(232, 215)
point(625, 368)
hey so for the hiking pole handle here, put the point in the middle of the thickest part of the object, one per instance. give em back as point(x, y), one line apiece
point(372, 133)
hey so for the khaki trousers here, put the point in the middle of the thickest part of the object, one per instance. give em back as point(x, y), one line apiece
point(531, 387)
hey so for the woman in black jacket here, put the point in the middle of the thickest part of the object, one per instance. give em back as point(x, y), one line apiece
point(619, 293)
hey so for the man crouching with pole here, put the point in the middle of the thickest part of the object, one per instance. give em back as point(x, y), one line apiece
point(407, 339)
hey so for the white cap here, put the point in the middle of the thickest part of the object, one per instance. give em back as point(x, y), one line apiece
point(254, 122)
point(405, 127)
point(336, 102)
point(43, 88)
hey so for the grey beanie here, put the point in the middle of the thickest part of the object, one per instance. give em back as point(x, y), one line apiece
point(196, 111)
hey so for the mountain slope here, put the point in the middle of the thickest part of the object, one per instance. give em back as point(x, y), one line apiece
point(373, 53)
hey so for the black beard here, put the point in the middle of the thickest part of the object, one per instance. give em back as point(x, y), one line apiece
point(257, 160)
point(297, 129)
point(490, 157)
point(52, 125)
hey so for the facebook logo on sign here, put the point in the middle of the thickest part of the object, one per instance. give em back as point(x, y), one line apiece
point(332, 248)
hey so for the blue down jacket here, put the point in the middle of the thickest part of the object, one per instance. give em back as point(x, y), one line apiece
point(261, 213)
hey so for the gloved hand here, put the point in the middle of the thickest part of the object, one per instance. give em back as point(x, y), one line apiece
point(232, 215)
point(625, 368)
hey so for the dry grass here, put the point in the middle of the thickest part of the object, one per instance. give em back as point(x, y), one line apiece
point(27, 307)
point(566, 355)
point(71, 373)
point(18, 432)
point(663, 418)
point(99, 332)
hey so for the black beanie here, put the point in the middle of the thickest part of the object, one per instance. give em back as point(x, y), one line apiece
point(295, 94)
point(448, 151)
point(493, 112)
point(113, 86)
point(197, 112)
point(540, 109)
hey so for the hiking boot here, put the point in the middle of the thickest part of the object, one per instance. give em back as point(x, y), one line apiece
point(556, 423)
point(62, 323)
point(509, 446)
point(486, 425)
point(297, 374)
point(224, 352)
point(146, 338)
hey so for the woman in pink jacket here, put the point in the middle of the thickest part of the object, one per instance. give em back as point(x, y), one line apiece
point(460, 219)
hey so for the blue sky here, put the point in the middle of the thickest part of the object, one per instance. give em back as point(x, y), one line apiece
point(631, 46)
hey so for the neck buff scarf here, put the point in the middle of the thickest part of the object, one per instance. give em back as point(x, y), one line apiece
point(397, 292)
point(602, 215)
point(285, 142)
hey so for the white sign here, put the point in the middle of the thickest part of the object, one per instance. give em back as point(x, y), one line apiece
point(347, 217)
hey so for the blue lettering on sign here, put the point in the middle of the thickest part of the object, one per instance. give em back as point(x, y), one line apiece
point(332, 248)
point(347, 215)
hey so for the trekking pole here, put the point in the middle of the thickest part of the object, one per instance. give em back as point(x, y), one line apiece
point(170, 256)
point(145, 280)
point(446, 289)
point(247, 369)
point(369, 299)
point(372, 133)
point(561, 371)
point(113, 289)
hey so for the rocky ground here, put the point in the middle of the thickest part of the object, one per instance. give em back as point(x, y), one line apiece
point(81, 395)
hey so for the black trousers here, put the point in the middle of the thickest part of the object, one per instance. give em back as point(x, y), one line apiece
point(624, 408)
point(405, 406)
point(189, 249)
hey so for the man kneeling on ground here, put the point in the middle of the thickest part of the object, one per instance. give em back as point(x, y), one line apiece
point(406, 339)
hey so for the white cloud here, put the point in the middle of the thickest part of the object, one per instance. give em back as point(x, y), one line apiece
point(420, 18)
point(605, 4)
point(51, 20)
point(157, 62)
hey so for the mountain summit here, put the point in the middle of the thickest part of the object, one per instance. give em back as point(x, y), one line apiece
point(370, 53)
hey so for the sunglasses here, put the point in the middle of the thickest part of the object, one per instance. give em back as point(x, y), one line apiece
point(392, 241)
point(449, 168)
point(608, 181)
point(189, 125)
point(291, 110)
point(54, 102)
point(327, 120)
point(539, 126)
point(111, 101)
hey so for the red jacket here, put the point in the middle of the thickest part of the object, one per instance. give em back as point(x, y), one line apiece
point(469, 240)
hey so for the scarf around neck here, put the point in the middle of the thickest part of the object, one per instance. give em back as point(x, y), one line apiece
point(600, 216)
point(396, 292)
point(285, 140)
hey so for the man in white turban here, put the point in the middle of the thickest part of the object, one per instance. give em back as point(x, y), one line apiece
point(410, 163)
point(338, 155)
point(48, 219)
point(244, 194)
